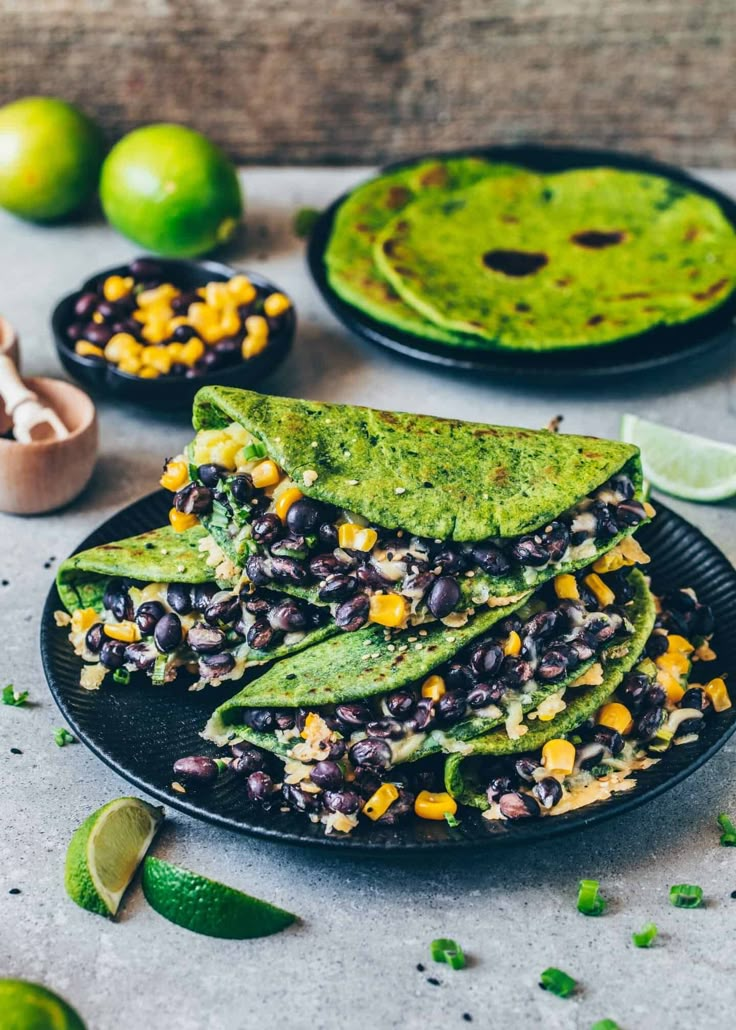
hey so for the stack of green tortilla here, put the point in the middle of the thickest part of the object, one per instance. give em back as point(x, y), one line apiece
point(475, 254)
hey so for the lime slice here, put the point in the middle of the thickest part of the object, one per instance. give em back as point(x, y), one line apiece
point(106, 850)
point(206, 906)
point(27, 1006)
point(682, 464)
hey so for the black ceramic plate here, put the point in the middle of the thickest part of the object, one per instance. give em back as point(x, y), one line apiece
point(140, 730)
point(169, 391)
point(655, 349)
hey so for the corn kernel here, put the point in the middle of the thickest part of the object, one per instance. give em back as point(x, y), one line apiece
point(88, 350)
point(285, 501)
point(677, 643)
point(434, 806)
point(380, 802)
point(276, 304)
point(156, 330)
point(257, 327)
point(242, 289)
point(513, 643)
point(191, 352)
point(671, 686)
point(159, 296)
point(388, 609)
point(116, 287)
point(675, 662)
point(433, 688)
point(252, 346)
point(603, 594)
point(230, 322)
point(559, 756)
point(158, 358)
point(175, 476)
point(128, 632)
point(649, 509)
point(146, 372)
point(180, 522)
point(175, 351)
point(174, 323)
point(616, 717)
point(120, 346)
point(225, 453)
point(310, 720)
point(130, 365)
point(566, 586)
point(717, 692)
point(97, 318)
point(356, 537)
point(612, 561)
point(83, 618)
point(216, 295)
point(266, 473)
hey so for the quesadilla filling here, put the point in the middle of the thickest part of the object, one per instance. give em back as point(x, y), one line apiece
point(211, 633)
point(366, 573)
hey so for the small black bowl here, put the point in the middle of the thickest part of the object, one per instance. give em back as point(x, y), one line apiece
point(170, 391)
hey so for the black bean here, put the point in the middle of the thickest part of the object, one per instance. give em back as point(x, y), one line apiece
point(548, 792)
point(367, 781)
point(328, 535)
point(257, 570)
point(581, 649)
point(630, 513)
point(179, 597)
point(451, 562)
point(147, 269)
point(525, 768)
point(263, 720)
point(210, 474)
point(147, 615)
point(205, 639)
point(266, 528)
point(167, 634)
point(530, 550)
point(142, 654)
point(650, 722)
point(556, 539)
point(422, 717)
point(695, 698)
point(372, 752)
point(223, 607)
point(336, 749)
point(353, 715)
point(338, 588)
point(510, 624)
point(75, 332)
point(515, 672)
point(193, 499)
point(214, 666)
point(112, 654)
point(242, 489)
point(622, 485)
point(552, 665)
point(353, 614)
point(261, 635)
point(443, 597)
point(590, 755)
point(704, 622)
point(486, 658)
point(254, 603)
point(246, 759)
point(634, 691)
point(117, 600)
point(323, 565)
point(518, 806)
point(345, 801)
point(542, 625)
point(499, 786)
point(370, 577)
point(401, 703)
point(385, 728)
point(285, 719)
point(182, 334)
point(95, 637)
point(491, 559)
point(451, 707)
point(85, 305)
point(609, 738)
point(401, 807)
point(605, 516)
point(598, 630)
point(259, 786)
point(305, 516)
point(202, 594)
point(460, 677)
point(107, 310)
point(288, 570)
point(483, 694)
point(327, 775)
point(289, 616)
point(98, 334)
point(299, 799)
point(196, 770)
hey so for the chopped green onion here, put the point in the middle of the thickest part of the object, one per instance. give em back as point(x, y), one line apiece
point(590, 903)
point(10, 697)
point(122, 676)
point(451, 820)
point(304, 221)
point(444, 949)
point(605, 1024)
point(728, 837)
point(62, 737)
point(557, 982)
point(645, 937)
point(253, 451)
point(220, 516)
point(158, 676)
point(193, 472)
point(686, 895)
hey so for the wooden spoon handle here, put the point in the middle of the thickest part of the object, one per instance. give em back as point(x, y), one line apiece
point(12, 389)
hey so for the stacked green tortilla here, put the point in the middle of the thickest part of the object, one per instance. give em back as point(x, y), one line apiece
point(475, 254)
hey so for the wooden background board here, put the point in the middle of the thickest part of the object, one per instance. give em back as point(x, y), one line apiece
point(363, 80)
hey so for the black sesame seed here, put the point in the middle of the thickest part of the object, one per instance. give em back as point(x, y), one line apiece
point(433, 980)
point(421, 968)
point(467, 1017)
point(14, 890)
point(733, 894)
point(16, 751)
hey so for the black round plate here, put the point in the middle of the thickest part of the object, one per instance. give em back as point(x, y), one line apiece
point(169, 391)
point(662, 346)
point(140, 730)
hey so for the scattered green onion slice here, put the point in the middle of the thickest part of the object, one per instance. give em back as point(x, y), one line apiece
point(444, 949)
point(605, 1024)
point(645, 937)
point(557, 982)
point(122, 676)
point(590, 903)
point(728, 837)
point(10, 697)
point(62, 737)
point(305, 220)
point(253, 451)
point(158, 676)
point(686, 895)
point(451, 820)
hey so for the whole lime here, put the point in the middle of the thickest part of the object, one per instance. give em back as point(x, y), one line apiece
point(50, 157)
point(171, 190)
point(28, 1006)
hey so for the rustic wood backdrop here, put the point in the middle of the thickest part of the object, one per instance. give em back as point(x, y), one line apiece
point(364, 80)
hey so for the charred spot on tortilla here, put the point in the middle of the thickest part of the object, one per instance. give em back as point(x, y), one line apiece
point(398, 197)
point(598, 239)
point(711, 291)
point(595, 319)
point(515, 263)
point(437, 176)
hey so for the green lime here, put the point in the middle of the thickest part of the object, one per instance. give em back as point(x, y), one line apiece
point(27, 1006)
point(106, 850)
point(171, 190)
point(683, 464)
point(50, 157)
point(206, 906)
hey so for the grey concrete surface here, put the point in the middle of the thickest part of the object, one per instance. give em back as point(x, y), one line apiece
point(366, 924)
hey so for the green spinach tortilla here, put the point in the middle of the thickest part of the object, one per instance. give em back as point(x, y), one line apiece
point(579, 258)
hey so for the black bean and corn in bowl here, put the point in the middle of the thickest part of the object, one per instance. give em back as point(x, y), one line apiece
point(155, 330)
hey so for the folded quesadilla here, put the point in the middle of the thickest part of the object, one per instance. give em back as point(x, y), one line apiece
point(154, 603)
point(399, 519)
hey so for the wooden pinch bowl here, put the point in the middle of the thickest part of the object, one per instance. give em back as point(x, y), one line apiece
point(9, 347)
point(42, 476)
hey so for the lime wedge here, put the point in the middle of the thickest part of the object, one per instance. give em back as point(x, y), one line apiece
point(27, 1006)
point(106, 850)
point(683, 464)
point(206, 906)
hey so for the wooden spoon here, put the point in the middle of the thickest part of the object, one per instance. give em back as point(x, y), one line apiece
point(32, 423)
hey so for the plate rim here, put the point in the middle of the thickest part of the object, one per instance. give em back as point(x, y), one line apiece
point(550, 827)
point(716, 327)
